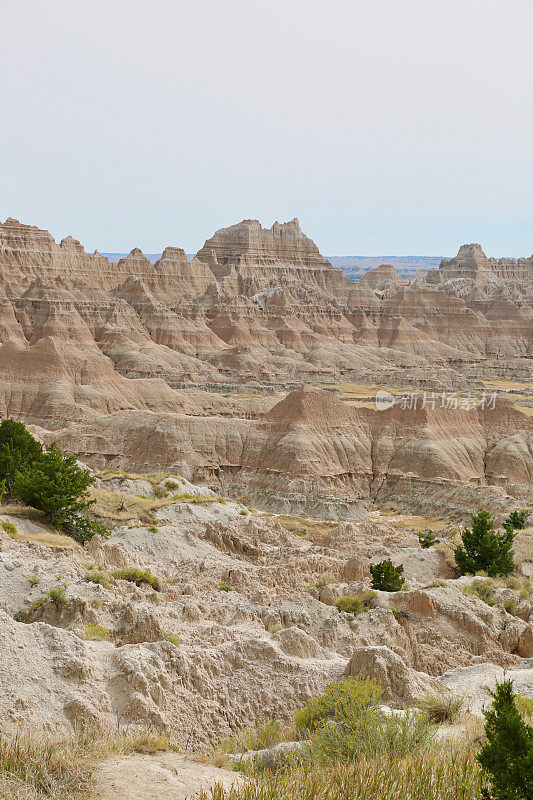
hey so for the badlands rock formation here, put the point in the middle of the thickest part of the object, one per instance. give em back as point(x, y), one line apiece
point(119, 353)
point(315, 446)
point(235, 374)
point(194, 662)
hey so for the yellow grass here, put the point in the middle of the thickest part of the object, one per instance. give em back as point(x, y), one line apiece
point(418, 523)
point(48, 538)
point(24, 512)
point(35, 768)
point(308, 528)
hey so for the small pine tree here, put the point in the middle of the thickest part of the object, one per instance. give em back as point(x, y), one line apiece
point(515, 521)
point(386, 577)
point(56, 485)
point(484, 549)
point(507, 755)
point(18, 451)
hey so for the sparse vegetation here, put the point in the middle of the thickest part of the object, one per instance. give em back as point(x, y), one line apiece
point(386, 577)
point(224, 586)
point(353, 604)
point(484, 549)
point(426, 539)
point(95, 633)
point(33, 579)
point(510, 605)
point(323, 581)
point(442, 707)
point(97, 576)
point(441, 775)
point(173, 639)
point(339, 701)
point(138, 576)
point(57, 595)
point(9, 528)
point(482, 589)
point(39, 768)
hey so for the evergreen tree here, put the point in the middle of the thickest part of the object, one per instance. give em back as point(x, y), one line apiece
point(516, 521)
point(56, 485)
point(484, 549)
point(18, 451)
point(507, 755)
point(386, 577)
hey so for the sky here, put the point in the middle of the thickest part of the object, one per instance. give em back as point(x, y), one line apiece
point(385, 126)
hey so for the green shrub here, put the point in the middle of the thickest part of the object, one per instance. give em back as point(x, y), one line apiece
point(96, 576)
point(483, 589)
point(426, 539)
point(442, 707)
point(2, 488)
point(337, 703)
point(57, 595)
point(510, 605)
point(386, 577)
point(484, 549)
point(368, 733)
point(353, 604)
point(82, 529)
point(224, 586)
point(350, 604)
point(33, 579)
point(9, 528)
point(138, 576)
point(507, 755)
point(18, 451)
point(515, 521)
point(173, 639)
point(172, 485)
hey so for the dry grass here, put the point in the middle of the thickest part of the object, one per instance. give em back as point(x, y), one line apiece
point(48, 538)
point(418, 523)
point(308, 528)
point(36, 768)
point(24, 512)
point(118, 507)
point(446, 774)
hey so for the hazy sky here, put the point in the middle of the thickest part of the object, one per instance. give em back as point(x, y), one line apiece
point(386, 126)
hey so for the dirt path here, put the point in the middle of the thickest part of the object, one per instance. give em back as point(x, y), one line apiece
point(165, 776)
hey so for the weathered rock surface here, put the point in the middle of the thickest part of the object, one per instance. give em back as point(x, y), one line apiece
point(195, 662)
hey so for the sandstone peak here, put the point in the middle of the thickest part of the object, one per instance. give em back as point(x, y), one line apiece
point(248, 242)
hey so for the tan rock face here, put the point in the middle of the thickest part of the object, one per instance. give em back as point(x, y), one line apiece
point(81, 338)
point(196, 663)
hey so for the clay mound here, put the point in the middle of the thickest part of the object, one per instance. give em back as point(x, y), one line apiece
point(318, 409)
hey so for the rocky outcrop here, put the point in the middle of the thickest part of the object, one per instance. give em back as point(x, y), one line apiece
point(312, 439)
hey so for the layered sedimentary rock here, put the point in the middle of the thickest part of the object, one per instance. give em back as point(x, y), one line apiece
point(313, 439)
point(255, 306)
point(471, 271)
